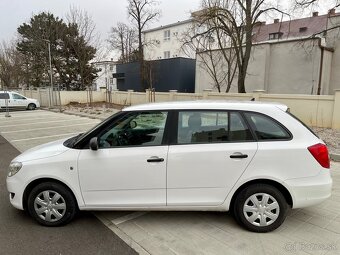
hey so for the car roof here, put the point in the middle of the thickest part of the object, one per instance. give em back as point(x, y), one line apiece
point(208, 105)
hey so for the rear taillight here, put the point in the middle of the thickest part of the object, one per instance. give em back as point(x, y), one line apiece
point(320, 153)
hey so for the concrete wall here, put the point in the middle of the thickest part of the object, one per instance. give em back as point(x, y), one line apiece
point(287, 67)
point(314, 110)
point(319, 111)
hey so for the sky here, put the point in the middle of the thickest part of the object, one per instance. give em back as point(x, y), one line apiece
point(105, 13)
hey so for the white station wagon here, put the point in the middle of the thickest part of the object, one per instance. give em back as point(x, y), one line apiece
point(253, 159)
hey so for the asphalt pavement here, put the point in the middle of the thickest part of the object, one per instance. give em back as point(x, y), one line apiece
point(20, 234)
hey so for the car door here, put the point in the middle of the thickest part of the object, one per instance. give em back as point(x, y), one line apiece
point(18, 101)
point(208, 154)
point(129, 167)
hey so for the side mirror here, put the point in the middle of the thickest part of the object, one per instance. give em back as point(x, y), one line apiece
point(94, 143)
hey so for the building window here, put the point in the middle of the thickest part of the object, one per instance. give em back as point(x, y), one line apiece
point(166, 54)
point(167, 35)
point(302, 29)
point(111, 67)
point(111, 81)
point(274, 36)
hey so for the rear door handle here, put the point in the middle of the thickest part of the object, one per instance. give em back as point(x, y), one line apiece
point(155, 159)
point(238, 155)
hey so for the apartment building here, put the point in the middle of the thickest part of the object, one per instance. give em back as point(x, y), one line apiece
point(105, 75)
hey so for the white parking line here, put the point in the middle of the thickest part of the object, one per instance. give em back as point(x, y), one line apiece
point(128, 217)
point(34, 119)
point(42, 137)
point(53, 121)
point(17, 131)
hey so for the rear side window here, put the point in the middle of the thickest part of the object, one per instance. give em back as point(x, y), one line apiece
point(4, 96)
point(211, 127)
point(267, 128)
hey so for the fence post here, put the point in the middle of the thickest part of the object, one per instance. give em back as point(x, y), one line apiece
point(172, 94)
point(39, 95)
point(336, 110)
point(147, 95)
point(129, 96)
point(114, 96)
point(257, 94)
point(206, 93)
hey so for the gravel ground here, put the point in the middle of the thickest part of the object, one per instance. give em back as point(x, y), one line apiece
point(329, 136)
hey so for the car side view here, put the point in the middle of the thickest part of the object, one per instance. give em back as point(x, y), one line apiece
point(13, 100)
point(254, 159)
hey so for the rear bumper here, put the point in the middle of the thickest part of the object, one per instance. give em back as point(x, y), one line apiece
point(311, 190)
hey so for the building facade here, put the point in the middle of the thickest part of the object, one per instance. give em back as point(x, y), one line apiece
point(105, 75)
point(166, 41)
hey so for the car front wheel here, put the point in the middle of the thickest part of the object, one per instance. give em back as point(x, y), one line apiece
point(260, 208)
point(51, 204)
point(31, 106)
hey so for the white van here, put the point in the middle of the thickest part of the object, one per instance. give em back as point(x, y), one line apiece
point(17, 101)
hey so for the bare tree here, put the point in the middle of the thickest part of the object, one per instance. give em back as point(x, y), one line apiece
point(10, 66)
point(142, 12)
point(220, 66)
point(309, 3)
point(124, 39)
point(235, 20)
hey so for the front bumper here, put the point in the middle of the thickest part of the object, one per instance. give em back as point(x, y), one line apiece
point(16, 192)
point(310, 190)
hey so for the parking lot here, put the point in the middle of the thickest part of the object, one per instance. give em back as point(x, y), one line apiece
point(314, 230)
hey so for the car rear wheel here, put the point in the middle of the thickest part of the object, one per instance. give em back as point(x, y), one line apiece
point(51, 204)
point(31, 106)
point(260, 208)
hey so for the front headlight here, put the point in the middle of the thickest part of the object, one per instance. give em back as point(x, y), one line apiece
point(14, 167)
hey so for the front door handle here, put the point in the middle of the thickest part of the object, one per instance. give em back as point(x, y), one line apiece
point(155, 159)
point(238, 155)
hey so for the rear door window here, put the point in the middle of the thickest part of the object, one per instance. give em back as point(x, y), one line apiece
point(267, 128)
point(211, 127)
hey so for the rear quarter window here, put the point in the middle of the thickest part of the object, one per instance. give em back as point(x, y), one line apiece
point(267, 128)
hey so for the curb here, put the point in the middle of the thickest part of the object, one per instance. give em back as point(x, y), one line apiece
point(335, 157)
point(122, 235)
point(91, 116)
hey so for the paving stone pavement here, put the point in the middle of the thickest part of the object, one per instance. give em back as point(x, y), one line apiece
point(314, 230)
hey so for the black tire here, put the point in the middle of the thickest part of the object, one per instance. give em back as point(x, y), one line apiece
point(261, 190)
point(66, 200)
point(31, 106)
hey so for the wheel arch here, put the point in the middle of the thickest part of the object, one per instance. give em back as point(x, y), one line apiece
point(31, 103)
point(285, 192)
point(36, 182)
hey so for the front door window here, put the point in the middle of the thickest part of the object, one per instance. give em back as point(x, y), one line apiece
point(135, 129)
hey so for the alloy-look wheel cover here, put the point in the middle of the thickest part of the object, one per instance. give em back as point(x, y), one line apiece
point(261, 209)
point(50, 206)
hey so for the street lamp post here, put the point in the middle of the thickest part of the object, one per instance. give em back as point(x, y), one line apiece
point(51, 77)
